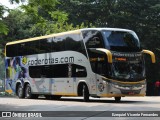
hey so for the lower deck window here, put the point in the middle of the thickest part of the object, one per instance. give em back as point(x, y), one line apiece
point(49, 71)
point(57, 71)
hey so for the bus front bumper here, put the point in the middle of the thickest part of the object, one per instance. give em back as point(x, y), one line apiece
point(116, 89)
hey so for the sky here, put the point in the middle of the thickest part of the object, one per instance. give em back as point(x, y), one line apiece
point(7, 4)
point(10, 6)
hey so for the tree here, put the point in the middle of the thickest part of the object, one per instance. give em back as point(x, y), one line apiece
point(47, 18)
point(97, 12)
point(16, 1)
point(3, 27)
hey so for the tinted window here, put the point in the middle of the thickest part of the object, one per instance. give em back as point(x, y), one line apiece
point(78, 71)
point(28, 48)
point(11, 50)
point(35, 71)
point(49, 71)
point(57, 71)
point(32, 47)
point(72, 42)
point(99, 63)
point(121, 41)
point(21, 49)
point(45, 45)
point(93, 39)
point(58, 44)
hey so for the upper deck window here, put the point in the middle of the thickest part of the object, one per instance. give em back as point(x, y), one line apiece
point(68, 42)
point(121, 41)
point(93, 39)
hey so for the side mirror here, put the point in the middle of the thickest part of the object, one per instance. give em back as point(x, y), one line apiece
point(107, 52)
point(151, 54)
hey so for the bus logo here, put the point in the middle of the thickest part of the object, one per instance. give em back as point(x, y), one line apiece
point(24, 60)
point(101, 87)
point(6, 114)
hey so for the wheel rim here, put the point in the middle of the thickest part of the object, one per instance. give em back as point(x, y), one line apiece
point(20, 91)
point(83, 91)
point(28, 92)
point(85, 94)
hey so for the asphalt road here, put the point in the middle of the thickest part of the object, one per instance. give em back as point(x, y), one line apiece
point(96, 109)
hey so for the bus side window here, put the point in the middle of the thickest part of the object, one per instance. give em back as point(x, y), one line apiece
point(78, 71)
point(35, 71)
point(74, 42)
point(11, 50)
point(45, 45)
point(49, 71)
point(22, 49)
point(58, 44)
point(28, 48)
point(32, 47)
point(99, 63)
point(93, 39)
point(60, 70)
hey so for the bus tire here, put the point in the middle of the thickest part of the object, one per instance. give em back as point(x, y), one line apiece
point(85, 92)
point(20, 92)
point(117, 99)
point(28, 93)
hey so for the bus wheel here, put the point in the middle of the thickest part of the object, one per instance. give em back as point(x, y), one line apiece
point(20, 92)
point(117, 99)
point(85, 93)
point(28, 93)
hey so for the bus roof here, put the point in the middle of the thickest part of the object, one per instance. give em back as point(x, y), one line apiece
point(64, 33)
point(43, 37)
point(110, 29)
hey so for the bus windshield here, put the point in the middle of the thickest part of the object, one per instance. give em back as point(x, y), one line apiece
point(128, 71)
point(121, 41)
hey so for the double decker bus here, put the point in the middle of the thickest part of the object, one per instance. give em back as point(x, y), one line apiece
point(90, 62)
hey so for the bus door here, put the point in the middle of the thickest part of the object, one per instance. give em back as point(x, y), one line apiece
point(100, 67)
point(65, 84)
point(70, 74)
point(69, 86)
point(76, 72)
point(59, 86)
point(46, 79)
point(41, 78)
point(60, 76)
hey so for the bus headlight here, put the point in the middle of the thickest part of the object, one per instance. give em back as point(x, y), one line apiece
point(128, 86)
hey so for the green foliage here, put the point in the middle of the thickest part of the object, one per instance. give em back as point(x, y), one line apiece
point(2, 72)
point(47, 19)
point(3, 27)
point(16, 1)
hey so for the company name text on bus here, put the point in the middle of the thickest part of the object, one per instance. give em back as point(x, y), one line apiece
point(47, 61)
